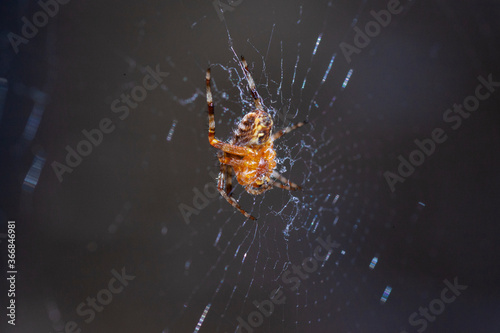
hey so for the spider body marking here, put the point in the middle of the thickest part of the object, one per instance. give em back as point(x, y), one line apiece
point(249, 155)
point(254, 131)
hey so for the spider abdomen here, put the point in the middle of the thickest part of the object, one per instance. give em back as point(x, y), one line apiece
point(253, 130)
point(256, 169)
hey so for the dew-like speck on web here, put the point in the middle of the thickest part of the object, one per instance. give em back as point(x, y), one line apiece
point(36, 115)
point(305, 79)
point(237, 250)
point(171, 131)
point(318, 41)
point(300, 15)
point(187, 101)
point(347, 78)
point(386, 294)
point(329, 68)
point(332, 101)
point(373, 263)
point(354, 21)
point(336, 199)
point(31, 178)
point(218, 237)
point(295, 69)
point(286, 231)
point(202, 318)
point(225, 96)
point(326, 258)
point(312, 225)
point(421, 203)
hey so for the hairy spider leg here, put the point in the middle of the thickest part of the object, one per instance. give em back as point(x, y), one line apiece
point(251, 84)
point(257, 191)
point(232, 161)
point(284, 183)
point(229, 180)
point(226, 147)
point(228, 175)
point(284, 131)
point(222, 186)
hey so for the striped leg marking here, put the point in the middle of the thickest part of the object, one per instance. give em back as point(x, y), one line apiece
point(222, 187)
point(284, 183)
point(226, 147)
point(251, 84)
point(284, 131)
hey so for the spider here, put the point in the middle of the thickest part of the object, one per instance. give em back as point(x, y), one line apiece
point(249, 155)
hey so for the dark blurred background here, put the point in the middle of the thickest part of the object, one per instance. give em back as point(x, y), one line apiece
point(120, 209)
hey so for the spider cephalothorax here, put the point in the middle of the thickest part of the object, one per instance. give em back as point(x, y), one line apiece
point(249, 155)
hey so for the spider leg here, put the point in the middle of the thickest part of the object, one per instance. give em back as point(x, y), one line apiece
point(284, 131)
point(258, 191)
point(284, 183)
point(251, 84)
point(231, 161)
point(229, 180)
point(226, 147)
point(222, 186)
point(228, 172)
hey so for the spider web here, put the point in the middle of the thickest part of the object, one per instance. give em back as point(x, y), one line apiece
point(300, 73)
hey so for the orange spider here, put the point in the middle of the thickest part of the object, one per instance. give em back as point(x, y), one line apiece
point(249, 155)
